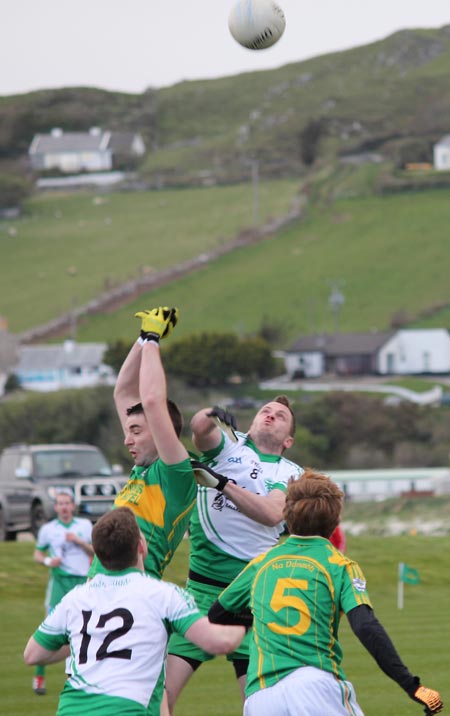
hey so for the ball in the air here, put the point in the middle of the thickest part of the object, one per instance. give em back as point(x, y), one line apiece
point(256, 24)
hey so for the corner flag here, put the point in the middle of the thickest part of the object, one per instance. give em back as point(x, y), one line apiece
point(409, 575)
point(406, 575)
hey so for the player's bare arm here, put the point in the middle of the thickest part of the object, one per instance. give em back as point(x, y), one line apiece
point(153, 396)
point(215, 638)
point(265, 509)
point(36, 654)
point(206, 435)
point(126, 391)
point(85, 546)
point(45, 559)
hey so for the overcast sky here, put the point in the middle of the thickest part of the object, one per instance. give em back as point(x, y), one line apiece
point(131, 45)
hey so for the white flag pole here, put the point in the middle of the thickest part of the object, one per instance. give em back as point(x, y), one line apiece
point(400, 586)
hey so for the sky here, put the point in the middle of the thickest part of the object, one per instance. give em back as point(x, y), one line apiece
point(133, 45)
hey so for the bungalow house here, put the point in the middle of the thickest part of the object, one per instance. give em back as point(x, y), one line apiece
point(68, 365)
point(338, 353)
point(93, 151)
point(441, 154)
point(402, 352)
point(415, 352)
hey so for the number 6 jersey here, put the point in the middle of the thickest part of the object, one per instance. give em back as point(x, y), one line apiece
point(117, 626)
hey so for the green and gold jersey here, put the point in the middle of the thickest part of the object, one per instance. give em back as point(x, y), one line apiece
point(296, 592)
point(162, 498)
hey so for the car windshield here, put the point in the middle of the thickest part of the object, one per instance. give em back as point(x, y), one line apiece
point(70, 463)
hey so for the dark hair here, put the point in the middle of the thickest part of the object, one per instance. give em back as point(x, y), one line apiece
point(313, 504)
point(115, 539)
point(174, 412)
point(284, 400)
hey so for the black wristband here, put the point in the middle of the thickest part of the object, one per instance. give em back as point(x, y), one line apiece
point(149, 336)
point(222, 481)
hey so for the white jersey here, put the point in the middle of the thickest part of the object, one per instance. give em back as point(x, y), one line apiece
point(117, 626)
point(52, 538)
point(221, 522)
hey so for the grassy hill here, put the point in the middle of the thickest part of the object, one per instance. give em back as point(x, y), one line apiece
point(389, 255)
point(368, 228)
point(377, 96)
point(69, 248)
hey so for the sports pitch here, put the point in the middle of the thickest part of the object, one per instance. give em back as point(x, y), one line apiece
point(420, 631)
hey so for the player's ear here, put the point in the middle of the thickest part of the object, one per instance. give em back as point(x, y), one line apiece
point(142, 546)
point(288, 442)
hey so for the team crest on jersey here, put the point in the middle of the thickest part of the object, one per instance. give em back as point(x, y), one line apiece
point(359, 584)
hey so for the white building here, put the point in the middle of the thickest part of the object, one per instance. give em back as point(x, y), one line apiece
point(92, 151)
point(69, 365)
point(415, 352)
point(382, 484)
point(441, 154)
point(403, 352)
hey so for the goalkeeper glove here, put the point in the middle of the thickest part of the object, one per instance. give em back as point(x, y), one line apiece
point(225, 420)
point(206, 477)
point(157, 323)
point(429, 698)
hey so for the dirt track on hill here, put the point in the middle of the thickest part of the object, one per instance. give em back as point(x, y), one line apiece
point(124, 293)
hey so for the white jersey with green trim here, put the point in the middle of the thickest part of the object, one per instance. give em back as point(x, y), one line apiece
point(218, 521)
point(117, 626)
point(52, 538)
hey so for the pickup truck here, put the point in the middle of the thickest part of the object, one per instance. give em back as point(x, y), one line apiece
point(32, 475)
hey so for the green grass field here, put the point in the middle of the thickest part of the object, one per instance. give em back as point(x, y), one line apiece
point(69, 247)
point(388, 254)
point(375, 248)
point(421, 631)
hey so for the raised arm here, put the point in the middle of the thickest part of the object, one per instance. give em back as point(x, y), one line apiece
point(207, 426)
point(157, 324)
point(153, 393)
point(126, 391)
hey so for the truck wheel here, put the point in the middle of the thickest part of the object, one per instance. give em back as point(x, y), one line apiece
point(37, 517)
point(5, 535)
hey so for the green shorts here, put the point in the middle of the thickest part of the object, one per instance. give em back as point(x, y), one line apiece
point(58, 586)
point(205, 595)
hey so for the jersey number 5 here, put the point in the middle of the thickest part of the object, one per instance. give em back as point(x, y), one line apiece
point(281, 599)
point(102, 651)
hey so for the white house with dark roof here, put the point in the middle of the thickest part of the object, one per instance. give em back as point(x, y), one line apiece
point(401, 352)
point(441, 154)
point(64, 365)
point(421, 351)
point(93, 151)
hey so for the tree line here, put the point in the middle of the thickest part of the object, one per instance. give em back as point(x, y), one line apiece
point(334, 431)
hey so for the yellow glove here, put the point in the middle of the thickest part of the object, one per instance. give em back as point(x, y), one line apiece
point(157, 323)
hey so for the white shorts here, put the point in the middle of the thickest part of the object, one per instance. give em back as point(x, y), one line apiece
point(305, 692)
